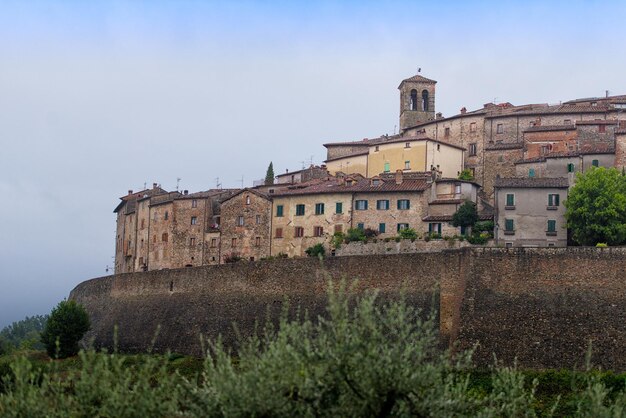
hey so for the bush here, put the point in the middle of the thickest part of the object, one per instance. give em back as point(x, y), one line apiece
point(316, 250)
point(67, 324)
point(407, 233)
point(602, 245)
point(478, 239)
point(484, 226)
point(337, 239)
point(370, 233)
point(232, 258)
point(355, 234)
point(466, 175)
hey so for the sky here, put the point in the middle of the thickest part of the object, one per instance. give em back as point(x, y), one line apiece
point(100, 97)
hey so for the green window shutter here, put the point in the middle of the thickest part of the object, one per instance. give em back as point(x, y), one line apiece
point(299, 210)
point(339, 207)
point(360, 225)
point(279, 210)
point(381, 228)
point(531, 172)
point(319, 208)
point(510, 199)
point(556, 200)
point(439, 229)
point(387, 169)
point(508, 225)
point(595, 163)
point(570, 168)
point(551, 226)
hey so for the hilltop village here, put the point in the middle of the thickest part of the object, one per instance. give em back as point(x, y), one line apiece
point(518, 163)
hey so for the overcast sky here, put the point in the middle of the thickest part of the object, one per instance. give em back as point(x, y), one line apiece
point(100, 97)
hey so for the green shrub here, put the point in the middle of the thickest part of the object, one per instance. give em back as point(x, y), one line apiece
point(67, 324)
point(478, 239)
point(483, 226)
point(602, 245)
point(337, 239)
point(355, 234)
point(316, 250)
point(407, 233)
point(232, 258)
point(466, 175)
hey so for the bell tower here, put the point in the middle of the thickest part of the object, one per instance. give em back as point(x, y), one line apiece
point(417, 101)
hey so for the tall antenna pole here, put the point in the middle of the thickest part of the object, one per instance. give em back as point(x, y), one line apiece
point(242, 182)
point(218, 185)
point(178, 179)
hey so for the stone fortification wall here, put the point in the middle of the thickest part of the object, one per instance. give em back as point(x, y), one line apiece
point(399, 247)
point(542, 306)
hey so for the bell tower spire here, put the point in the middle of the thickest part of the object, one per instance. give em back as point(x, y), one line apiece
point(417, 101)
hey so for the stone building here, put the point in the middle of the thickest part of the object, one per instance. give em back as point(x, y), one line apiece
point(245, 226)
point(301, 176)
point(530, 212)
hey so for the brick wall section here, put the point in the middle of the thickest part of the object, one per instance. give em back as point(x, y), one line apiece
point(539, 305)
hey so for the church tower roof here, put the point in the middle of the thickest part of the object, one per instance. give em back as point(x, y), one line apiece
point(418, 78)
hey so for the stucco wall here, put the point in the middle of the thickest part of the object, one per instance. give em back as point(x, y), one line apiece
point(542, 306)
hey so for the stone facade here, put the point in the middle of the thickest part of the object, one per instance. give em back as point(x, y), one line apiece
point(417, 101)
point(245, 226)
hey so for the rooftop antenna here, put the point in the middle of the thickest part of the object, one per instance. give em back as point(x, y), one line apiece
point(394, 129)
point(495, 100)
point(241, 182)
point(607, 93)
point(303, 164)
point(218, 185)
point(419, 70)
point(145, 184)
point(178, 179)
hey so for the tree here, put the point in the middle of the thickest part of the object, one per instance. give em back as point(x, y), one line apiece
point(466, 175)
point(23, 334)
point(67, 324)
point(269, 175)
point(466, 215)
point(596, 207)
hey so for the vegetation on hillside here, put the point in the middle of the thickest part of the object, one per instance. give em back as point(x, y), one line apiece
point(23, 334)
point(367, 357)
point(596, 207)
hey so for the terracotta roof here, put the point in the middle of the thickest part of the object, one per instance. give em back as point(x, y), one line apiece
point(598, 122)
point(597, 148)
point(532, 182)
point(332, 185)
point(446, 202)
point(549, 128)
point(599, 99)
point(138, 196)
point(208, 193)
point(448, 218)
point(253, 191)
point(289, 173)
point(419, 79)
point(504, 146)
point(390, 140)
point(354, 154)
point(551, 155)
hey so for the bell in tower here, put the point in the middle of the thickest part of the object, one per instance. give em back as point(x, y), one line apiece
point(417, 101)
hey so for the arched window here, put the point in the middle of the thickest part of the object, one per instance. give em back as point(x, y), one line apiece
point(425, 100)
point(413, 101)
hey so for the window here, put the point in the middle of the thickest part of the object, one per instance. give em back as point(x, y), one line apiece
point(413, 100)
point(375, 182)
point(194, 220)
point(553, 200)
point(279, 233)
point(473, 127)
point(434, 228)
point(257, 241)
point(338, 229)
point(360, 205)
point(381, 228)
point(570, 168)
point(233, 242)
point(213, 242)
point(192, 241)
point(407, 145)
point(508, 245)
point(531, 172)
point(319, 208)
point(240, 221)
point(376, 148)
point(425, 100)
point(164, 237)
point(601, 128)
point(457, 189)
point(595, 163)
point(472, 149)
point(153, 240)
point(382, 204)
point(247, 199)
point(510, 201)
point(258, 219)
point(499, 128)
point(551, 226)
point(402, 226)
point(298, 232)
point(446, 132)
point(404, 204)
point(339, 207)
point(360, 225)
point(509, 226)
point(299, 210)
point(407, 165)
point(279, 211)
point(167, 215)
point(387, 169)
point(567, 122)
point(318, 231)
point(142, 224)
point(194, 203)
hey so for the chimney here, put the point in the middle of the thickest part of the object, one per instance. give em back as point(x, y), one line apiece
point(154, 185)
point(130, 191)
point(439, 115)
point(399, 176)
point(185, 192)
point(463, 110)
